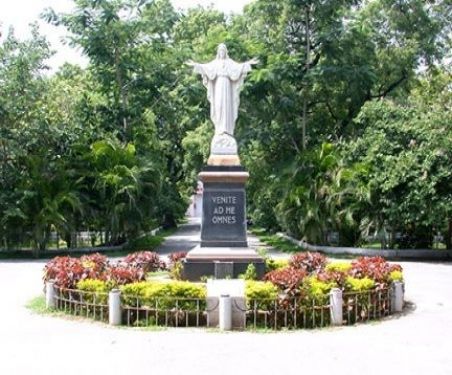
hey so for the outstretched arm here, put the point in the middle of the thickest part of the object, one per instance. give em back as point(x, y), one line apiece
point(253, 61)
point(196, 66)
point(191, 63)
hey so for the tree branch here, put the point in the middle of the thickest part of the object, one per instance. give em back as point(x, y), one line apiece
point(391, 87)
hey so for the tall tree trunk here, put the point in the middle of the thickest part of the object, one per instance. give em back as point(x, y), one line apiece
point(122, 92)
point(307, 63)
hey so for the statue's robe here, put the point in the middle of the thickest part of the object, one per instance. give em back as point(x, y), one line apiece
point(223, 79)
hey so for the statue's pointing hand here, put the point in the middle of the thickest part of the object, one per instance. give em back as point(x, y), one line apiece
point(254, 61)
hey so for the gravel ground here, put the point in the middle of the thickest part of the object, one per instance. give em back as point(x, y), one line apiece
point(416, 343)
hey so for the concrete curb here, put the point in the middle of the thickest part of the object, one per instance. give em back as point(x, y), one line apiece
point(415, 254)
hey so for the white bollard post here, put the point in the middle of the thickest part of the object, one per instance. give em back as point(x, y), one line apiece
point(50, 295)
point(225, 313)
point(114, 307)
point(336, 306)
point(397, 296)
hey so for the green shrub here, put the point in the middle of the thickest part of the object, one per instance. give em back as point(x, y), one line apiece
point(359, 285)
point(163, 294)
point(260, 294)
point(275, 264)
point(177, 270)
point(343, 267)
point(250, 273)
point(396, 276)
point(260, 290)
point(144, 243)
point(316, 289)
point(97, 290)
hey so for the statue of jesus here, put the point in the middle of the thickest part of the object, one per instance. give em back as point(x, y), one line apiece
point(223, 79)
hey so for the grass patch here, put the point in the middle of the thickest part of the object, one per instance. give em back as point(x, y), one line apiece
point(147, 242)
point(37, 305)
point(276, 241)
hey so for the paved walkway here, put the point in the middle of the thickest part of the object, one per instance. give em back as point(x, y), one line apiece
point(417, 343)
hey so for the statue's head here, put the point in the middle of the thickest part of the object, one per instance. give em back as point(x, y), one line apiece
point(222, 51)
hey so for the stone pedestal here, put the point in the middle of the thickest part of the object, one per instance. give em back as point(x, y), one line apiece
point(223, 228)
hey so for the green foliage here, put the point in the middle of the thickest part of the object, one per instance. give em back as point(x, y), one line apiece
point(396, 276)
point(97, 290)
point(260, 290)
point(276, 241)
point(343, 267)
point(163, 294)
point(359, 285)
point(145, 242)
point(313, 288)
point(272, 264)
point(177, 271)
point(260, 295)
point(338, 126)
point(250, 273)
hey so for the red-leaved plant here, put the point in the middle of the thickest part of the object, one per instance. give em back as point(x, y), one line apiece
point(94, 265)
point(147, 261)
point(287, 279)
point(375, 268)
point(311, 262)
point(121, 274)
point(65, 272)
point(177, 257)
point(337, 277)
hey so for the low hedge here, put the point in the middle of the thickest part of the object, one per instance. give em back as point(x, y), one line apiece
point(164, 294)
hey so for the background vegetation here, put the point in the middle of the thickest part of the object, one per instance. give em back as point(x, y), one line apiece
point(345, 125)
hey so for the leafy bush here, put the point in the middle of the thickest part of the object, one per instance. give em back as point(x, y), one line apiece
point(309, 261)
point(314, 288)
point(375, 268)
point(359, 285)
point(122, 274)
point(260, 295)
point(164, 294)
point(343, 267)
point(288, 279)
point(177, 257)
point(335, 272)
point(64, 271)
point(275, 264)
point(175, 264)
point(94, 265)
point(177, 271)
point(260, 290)
point(250, 273)
point(97, 290)
point(396, 276)
point(144, 243)
point(147, 261)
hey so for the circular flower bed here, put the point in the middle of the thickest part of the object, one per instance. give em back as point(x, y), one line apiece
point(292, 290)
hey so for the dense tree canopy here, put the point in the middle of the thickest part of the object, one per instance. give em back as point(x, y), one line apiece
point(345, 125)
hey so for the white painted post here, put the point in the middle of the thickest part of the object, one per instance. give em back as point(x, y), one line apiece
point(114, 307)
point(50, 295)
point(397, 296)
point(336, 306)
point(225, 318)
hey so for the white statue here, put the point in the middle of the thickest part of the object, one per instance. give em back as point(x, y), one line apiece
point(223, 79)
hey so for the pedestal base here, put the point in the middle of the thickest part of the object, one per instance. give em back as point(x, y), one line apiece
point(205, 261)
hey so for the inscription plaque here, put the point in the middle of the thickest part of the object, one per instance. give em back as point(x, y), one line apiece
point(224, 219)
